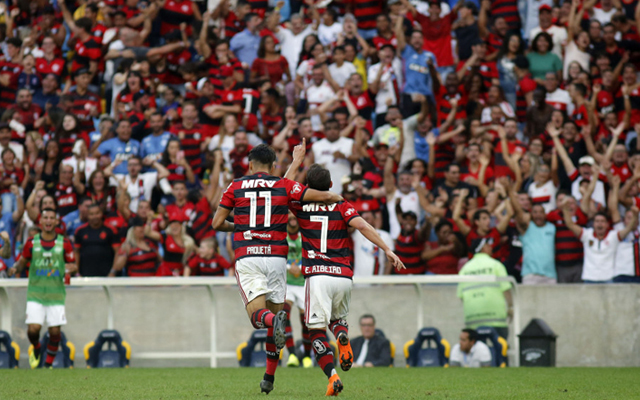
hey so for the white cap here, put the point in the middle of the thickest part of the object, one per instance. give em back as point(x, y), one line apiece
point(586, 160)
point(201, 83)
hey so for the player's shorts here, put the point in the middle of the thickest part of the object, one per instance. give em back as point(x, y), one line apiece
point(327, 299)
point(295, 294)
point(258, 276)
point(38, 313)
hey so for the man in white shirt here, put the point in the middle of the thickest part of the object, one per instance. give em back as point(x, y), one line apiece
point(341, 70)
point(599, 243)
point(317, 93)
point(470, 352)
point(627, 265)
point(368, 260)
point(5, 141)
point(335, 154)
point(556, 97)
point(385, 80)
point(558, 34)
point(290, 40)
point(140, 186)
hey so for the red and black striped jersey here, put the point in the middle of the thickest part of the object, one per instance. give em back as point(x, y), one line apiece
point(67, 142)
point(494, 43)
point(250, 106)
point(176, 173)
point(272, 123)
point(29, 116)
point(327, 248)
point(232, 25)
point(569, 249)
point(119, 223)
point(259, 7)
point(142, 262)
point(445, 154)
point(488, 71)
point(500, 167)
point(261, 209)
point(66, 198)
point(173, 252)
point(366, 12)
point(174, 61)
point(214, 266)
point(8, 93)
point(409, 250)
point(85, 53)
point(525, 85)
point(500, 250)
point(82, 108)
point(190, 141)
point(175, 12)
point(507, 9)
point(200, 221)
point(444, 107)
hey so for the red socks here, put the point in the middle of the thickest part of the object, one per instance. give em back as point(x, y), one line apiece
point(324, 354)
point(52, 349)
point(262, 318)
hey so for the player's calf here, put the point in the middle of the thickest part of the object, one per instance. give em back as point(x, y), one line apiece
point(324, 355)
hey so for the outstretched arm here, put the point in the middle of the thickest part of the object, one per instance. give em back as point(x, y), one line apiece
point(370, 233)
point(220, 222)
point(560, 150)
point(568, 220)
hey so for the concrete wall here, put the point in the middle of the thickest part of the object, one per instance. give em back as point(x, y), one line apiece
point(597, 325)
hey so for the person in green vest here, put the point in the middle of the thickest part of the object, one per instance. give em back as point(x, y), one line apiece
point(485, 303)
point(295, 295)
point(51, 257)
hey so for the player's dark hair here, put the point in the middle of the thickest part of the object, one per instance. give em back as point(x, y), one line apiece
point(318, 178)
point(263, 155)
point(367, 316)
point(94, 205)
point(44, 197)
point(580, 88)
point(84, 23)
point(478, 214)
point(332, 121)
point(48, 209)
point(441, 224)
point(473, 334)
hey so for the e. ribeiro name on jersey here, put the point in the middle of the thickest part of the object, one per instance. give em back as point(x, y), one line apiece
point(326, 243)
point(260, 204)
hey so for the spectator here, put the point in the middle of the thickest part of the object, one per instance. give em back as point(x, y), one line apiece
point(470, 352)
point(385, 78)
point(371, 349)
point(207, 262)
point(95, 245)
point(541, 58)
point(246, 43)
point(558, 33)
point(178, 246)
point(443, 256)
point(368, 259)
point(334, 153)
point(120, 148)
point(76, 218)
point(485, 303)
point(137, 256)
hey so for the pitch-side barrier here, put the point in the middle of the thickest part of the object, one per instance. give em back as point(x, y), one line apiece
point(418, 281)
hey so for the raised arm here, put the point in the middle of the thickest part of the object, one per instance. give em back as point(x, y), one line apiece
point(585, 201)
point(298, 157)
point(568, 219)
point(613, 199)
point(560, 150)
point(370, 233)
point(457, 212)
point(629, 227)
point(203, 47)
point(400, 37)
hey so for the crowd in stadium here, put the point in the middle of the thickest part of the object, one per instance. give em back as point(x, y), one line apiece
point(441, 122)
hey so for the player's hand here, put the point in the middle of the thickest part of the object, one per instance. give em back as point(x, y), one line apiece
point(395, 261)
point(295, 270)
point(300, 150)
point(15, 189)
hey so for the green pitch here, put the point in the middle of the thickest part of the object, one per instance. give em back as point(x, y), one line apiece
point(369, 384)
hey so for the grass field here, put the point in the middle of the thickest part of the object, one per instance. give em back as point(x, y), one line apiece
point(369, 384)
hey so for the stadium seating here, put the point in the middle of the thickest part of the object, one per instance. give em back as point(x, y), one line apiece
point(9, 351)
point(428, 349)
point(66, 352)
point(249, 356)
point(497, 344)
point(116, 355)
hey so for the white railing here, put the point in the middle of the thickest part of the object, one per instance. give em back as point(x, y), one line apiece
point(417, 280)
